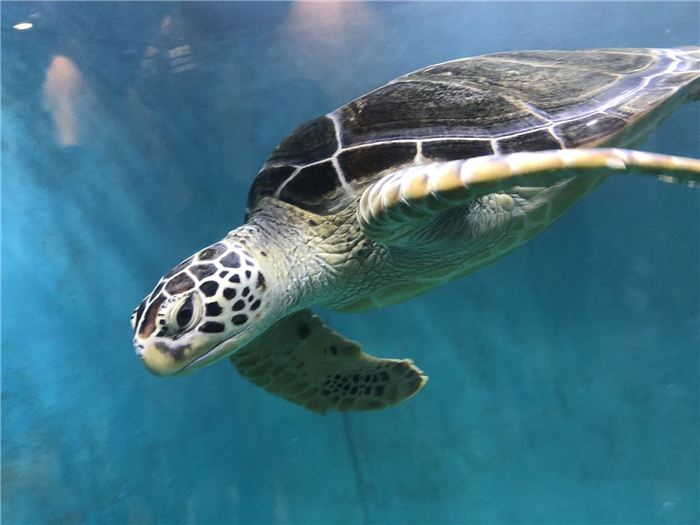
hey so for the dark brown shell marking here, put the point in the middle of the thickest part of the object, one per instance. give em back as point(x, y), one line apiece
point(499, 103)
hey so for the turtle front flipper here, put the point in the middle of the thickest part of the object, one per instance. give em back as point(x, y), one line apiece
point(391, 209)
point(307, 363)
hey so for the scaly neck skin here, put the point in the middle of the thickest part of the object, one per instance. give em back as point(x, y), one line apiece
point(323, 260)
point(278, 236)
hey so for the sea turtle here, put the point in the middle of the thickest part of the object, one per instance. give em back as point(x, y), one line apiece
point(415, 184)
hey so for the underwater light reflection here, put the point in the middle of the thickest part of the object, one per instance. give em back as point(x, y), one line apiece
point(328, 41)
point(64, 88)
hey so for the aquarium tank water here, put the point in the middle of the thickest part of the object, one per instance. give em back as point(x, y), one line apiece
point(563, 378)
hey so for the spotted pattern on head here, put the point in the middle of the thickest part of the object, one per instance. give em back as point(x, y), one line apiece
point(220, 289)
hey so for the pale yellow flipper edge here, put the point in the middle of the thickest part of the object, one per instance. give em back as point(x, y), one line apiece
point(390, 207)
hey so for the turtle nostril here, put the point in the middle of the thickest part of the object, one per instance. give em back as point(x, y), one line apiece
point(140, 350)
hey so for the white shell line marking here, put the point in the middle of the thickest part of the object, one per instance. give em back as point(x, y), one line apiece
point(550, 129)
point(626, 95)
point(676, 59)
point(334, 158)
point(535, 111)
point(341, 175)
point(279, 190)
point(419, 158)
point(336, 126)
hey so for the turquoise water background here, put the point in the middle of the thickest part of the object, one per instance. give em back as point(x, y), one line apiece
point(563, 379)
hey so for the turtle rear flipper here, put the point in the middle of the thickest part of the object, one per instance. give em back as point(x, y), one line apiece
point(307, 363)
point(390, 210)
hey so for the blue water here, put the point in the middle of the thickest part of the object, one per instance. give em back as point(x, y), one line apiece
point(563, 379)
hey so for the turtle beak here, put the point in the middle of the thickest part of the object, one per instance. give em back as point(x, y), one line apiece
point(159, 362)
point(165, 358)
point(162, 360)
point(176, 358)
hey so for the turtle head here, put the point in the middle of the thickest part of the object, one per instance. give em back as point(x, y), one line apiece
point(203, 309)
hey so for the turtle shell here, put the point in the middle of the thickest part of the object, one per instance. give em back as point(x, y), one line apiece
point(499, 103)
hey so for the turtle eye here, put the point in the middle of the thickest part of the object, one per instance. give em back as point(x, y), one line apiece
point(181, 316)
point(185, 313)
